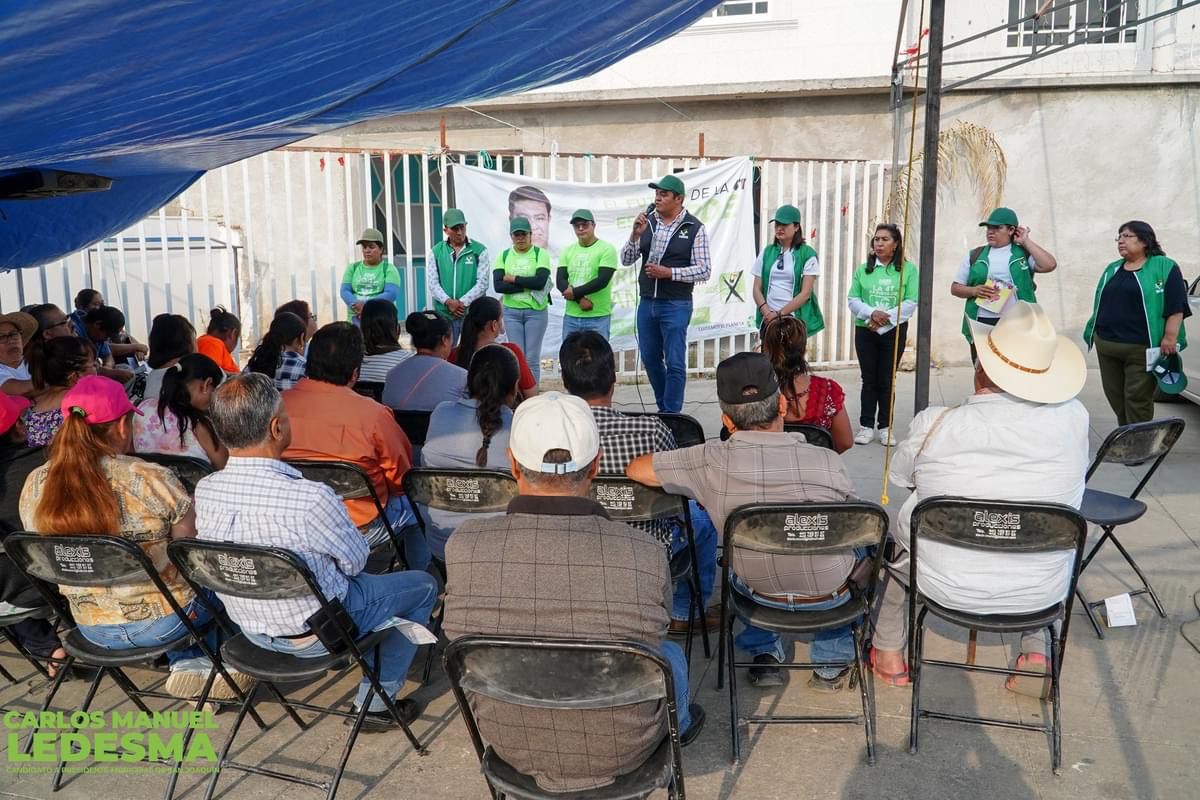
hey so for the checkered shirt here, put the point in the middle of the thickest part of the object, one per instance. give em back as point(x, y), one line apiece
point(290, 370)
point(696, 272)
point(622, 439)
point(261, 501)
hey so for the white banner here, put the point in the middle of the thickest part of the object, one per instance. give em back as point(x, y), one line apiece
point(719, 194)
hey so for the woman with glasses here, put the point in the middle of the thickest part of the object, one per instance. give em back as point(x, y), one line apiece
point(785, 276)
point(1137, 315)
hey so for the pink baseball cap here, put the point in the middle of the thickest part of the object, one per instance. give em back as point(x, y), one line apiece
point(11, 406)
point(98, 400)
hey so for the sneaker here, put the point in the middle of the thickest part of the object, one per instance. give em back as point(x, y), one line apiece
point(864, 436)
point(221, 690)
point(834, 684)
point(766, 674)
point(378, 721)
point(185, 684)
point(886, 438)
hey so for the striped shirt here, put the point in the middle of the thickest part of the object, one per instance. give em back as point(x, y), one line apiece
point(696, 272)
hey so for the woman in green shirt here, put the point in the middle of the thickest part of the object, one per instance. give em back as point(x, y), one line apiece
point(883, 296)
point(522, 278)
point(372, 278)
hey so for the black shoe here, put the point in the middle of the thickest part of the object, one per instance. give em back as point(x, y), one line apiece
point(378, 721)
point(833, 684)
point(767, 674)
point(696, 711)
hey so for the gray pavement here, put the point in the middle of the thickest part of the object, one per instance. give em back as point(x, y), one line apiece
point(1130, 728)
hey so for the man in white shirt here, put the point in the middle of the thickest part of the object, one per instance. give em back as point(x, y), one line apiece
point(1021, 436)
point(16, 329)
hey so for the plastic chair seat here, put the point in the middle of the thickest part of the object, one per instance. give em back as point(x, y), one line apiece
point(270, 665)
point(801, 620)
point(93, 654)
point(997, 623)
point(654, 773)
point(1107, 509)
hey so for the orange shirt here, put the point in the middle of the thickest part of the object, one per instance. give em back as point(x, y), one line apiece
point(215, 349)
point(334, 423)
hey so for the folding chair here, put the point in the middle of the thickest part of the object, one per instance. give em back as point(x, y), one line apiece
point(1129, 445)
point(371, 389)
point(801, 529)
point(815, 435)
point(626, 500)
point(993, 526)
point(89, 561)
point(8, 620)
point(545, 673)
point(415, 425)
point(686, 429)
point(351, 482)
point(467, 491)
point(271, 573)
point(189, 470)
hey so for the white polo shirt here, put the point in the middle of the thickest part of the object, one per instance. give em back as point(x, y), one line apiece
point(781, 291)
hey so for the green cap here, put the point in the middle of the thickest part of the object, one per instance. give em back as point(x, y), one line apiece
point(1168, 371)
point(668, 183)
point(1001, 216)
point(583, 214)
point(370, 235)
point(786, 215)
point(453, 218)
point(519, 224)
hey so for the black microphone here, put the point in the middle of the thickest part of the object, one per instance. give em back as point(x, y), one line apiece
point(649, 209)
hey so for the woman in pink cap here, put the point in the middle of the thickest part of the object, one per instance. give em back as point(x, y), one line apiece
point(90, 485)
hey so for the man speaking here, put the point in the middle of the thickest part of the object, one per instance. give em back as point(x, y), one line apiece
point(673, 247)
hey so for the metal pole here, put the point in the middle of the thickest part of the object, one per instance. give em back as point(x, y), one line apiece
point(933, 111)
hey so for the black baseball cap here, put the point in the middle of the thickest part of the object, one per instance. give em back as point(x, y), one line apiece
point(746, 378)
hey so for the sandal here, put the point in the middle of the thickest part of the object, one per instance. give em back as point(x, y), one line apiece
point(890, 678)
point(56, 662)
point(1028, 685)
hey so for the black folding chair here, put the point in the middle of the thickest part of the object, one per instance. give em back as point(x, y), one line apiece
point(106, 561)
point(371, 389)
point(1129, 445)
point(993, 526)
point(626, 500)
point(415, 425)
point(467, 491)
point(351, 482)
point(801, 529)
point(566, 674)
point(7, 621)
point(686, 429)
point(814, 434)
point(271, 573)
point(188, 469)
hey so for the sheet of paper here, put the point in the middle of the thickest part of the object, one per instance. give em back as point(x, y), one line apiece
point(1152, 354)
point(1119, 611)
point(415, 632)
point(997, 306)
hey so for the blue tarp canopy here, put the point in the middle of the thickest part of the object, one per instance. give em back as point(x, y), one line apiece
point(153, 94)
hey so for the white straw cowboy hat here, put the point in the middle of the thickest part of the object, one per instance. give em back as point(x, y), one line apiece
point(1025, 357)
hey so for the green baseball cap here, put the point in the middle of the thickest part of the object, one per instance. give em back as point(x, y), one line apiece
point(1001, 216)
point(1168, 371)
point(453, 218)
point(519, 224)
point(370, 235)
point(582, 214)
point(786, 215)
point(668, 183)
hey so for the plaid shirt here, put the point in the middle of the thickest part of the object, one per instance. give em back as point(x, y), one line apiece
point(290, 370)
point(261, 501)
point(696, 272)
point(622, 439)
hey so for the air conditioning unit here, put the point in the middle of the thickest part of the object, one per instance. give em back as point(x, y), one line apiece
point(34, 184)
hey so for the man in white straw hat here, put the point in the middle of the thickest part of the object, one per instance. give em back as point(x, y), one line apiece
point(1021, 436)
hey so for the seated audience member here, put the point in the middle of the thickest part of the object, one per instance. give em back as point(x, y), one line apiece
point(16, 592)
point(421, 382)
point(615, 585)
point(52, 323)
point(171, 338)
point(381, 339)
point(471, 433)
point(16, 330)
point(302, 310)
point(85, 300)
point(589, 372)
point(98, 326)
point(220, 341)
point(125, 351)
point(1025, 418)
point(762, 463)
point(482, 326)
point(812, 399)
point(330, 422)
point(55, 365)
point(90, 485)
point(280, 354)
point(258, 499)
point(176, 422)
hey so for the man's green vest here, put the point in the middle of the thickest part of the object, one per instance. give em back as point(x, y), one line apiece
point(1018, 268)
point(457, 277)
point(810, 312)
point(1152, 279)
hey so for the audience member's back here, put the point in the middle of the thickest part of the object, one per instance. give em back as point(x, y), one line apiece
point(426, 379)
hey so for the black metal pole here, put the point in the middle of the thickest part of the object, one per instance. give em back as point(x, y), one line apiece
point(933, 113)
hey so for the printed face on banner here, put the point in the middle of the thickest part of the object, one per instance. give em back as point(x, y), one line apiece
point(719, 194)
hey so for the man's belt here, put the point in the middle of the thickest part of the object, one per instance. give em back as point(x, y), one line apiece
point(803, 601)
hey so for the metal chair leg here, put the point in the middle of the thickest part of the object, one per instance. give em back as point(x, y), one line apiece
point(1091, 615)
point(868, 703)
point(223, 756)
point(1146, 583)
point(1055, 676)
point(721, 636)
point(187, 737)
point(54, 687)
point(916, 655)
point(735, 727)
point(56, 783)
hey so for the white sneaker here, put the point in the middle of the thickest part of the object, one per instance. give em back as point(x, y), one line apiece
point(864, 436)
point(886, 438)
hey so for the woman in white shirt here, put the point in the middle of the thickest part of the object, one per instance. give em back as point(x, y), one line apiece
point(785, 275)
point(381, 337)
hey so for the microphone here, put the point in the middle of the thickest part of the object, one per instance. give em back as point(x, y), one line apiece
point(649, 209)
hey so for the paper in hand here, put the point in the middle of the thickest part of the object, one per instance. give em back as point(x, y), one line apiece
point(415, 632)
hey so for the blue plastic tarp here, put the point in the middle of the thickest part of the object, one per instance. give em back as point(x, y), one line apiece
point(152, 93)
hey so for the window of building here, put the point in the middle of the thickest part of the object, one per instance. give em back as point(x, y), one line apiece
point(739, 8)
point(1090, 21)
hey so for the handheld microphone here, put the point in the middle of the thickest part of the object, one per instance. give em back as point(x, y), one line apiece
point(649, 209)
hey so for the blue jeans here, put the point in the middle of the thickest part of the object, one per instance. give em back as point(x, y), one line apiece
point(526, 328)
point(706, 553)
point(828, 647)
point(370, 601)
point(152, 632)
point(455, 330)
point(599, 324)
point(662, 343)
point(673, 653)
point(404, 522)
